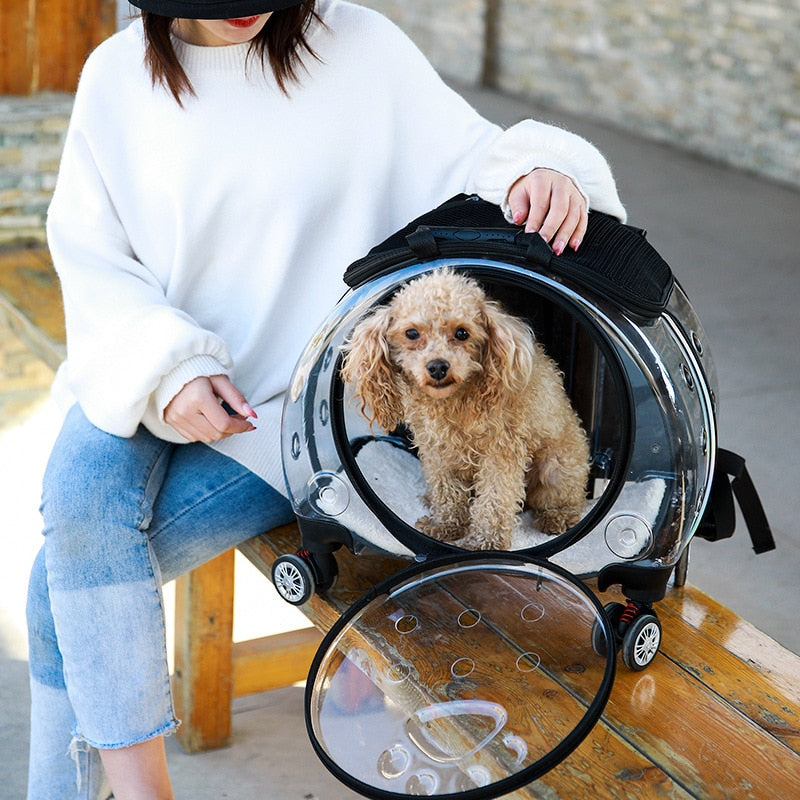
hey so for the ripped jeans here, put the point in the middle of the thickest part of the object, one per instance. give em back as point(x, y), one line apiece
point(121, 517)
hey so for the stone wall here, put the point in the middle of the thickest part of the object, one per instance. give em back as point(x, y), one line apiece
point(717, 78)
point(32, 133)
point(451, 34)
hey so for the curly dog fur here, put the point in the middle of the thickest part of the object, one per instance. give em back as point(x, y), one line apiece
point(486, 406)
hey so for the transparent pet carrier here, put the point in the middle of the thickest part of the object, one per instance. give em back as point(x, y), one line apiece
point(638, 371)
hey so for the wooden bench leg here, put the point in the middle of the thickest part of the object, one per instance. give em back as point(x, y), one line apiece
point(272, 662)
point(203, 680)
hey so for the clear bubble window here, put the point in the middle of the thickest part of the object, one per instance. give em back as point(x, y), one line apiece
point(387, 465)
point(451, 707)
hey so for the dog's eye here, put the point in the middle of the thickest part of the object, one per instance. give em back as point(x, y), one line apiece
point(462, 334)
point(412, 334)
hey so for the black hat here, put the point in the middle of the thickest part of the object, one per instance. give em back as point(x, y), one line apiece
point(212, 9)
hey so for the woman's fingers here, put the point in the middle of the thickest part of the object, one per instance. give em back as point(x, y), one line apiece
point(198, 414)
point(549, 203)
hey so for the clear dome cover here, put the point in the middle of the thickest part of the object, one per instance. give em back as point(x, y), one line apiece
point(469, 677)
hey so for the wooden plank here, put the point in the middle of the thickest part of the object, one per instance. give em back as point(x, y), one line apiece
point(16, 48)
point(606, 766)
point(703, 714)
point(273, 662)
point(735, 680)
point(702, 742)
point(30, 297)
point(777, 665)
point(203, 679)
point(45, 42)
point(66, 33)
point(741, 664)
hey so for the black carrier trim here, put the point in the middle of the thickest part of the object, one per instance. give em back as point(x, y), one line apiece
point(615, 260)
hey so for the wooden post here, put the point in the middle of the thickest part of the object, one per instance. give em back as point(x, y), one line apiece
point(203, 680)
point(43, 43)
point(491, 43)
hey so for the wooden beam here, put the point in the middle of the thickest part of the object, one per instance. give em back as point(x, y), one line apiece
point(273, 662)
point(30, 298)
point(203, 679)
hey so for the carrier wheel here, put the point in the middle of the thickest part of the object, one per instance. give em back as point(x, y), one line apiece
point(614, 613)
point(641, 642)
point(325, 568)
point(293, 579)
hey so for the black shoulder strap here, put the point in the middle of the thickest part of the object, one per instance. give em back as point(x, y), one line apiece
point(731, 478)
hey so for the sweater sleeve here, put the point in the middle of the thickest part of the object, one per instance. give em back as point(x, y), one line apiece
point(530, 144)
point(125, 343)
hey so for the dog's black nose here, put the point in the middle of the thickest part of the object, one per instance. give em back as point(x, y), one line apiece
point(438, 368)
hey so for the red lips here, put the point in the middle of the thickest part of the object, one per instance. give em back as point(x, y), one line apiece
point(242, 22)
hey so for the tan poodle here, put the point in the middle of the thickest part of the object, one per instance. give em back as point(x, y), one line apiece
point(485, 405)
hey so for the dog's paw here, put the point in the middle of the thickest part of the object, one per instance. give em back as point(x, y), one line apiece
point(554, 521)
point(438, 530)
point(483, 541)
point(471, 542)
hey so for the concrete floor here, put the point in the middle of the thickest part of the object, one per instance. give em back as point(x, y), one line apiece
point(733, 242)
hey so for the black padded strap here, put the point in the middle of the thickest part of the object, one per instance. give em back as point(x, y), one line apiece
point(731, 478)
point(748, 499)
point(719, 519)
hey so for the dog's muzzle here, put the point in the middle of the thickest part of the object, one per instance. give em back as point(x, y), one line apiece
point(438, 368)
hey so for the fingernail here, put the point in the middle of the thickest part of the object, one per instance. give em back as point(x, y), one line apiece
point(518, 217)
point(576, 243)
point(249, 411)
point(558, 247)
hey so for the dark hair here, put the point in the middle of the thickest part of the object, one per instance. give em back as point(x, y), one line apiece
point(280, 42)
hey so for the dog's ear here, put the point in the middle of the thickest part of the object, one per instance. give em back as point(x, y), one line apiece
point(508, 353)
point(368, 366)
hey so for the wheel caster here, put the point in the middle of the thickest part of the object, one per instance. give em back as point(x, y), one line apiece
point(326, 570)
point(641, 642)
point(293, 579)
point(614, 613)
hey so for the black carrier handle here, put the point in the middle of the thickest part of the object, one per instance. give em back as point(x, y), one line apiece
point(424, 242)
point(503, 235)
point(614, 260)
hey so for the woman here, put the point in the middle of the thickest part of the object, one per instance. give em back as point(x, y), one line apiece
point(226, 160)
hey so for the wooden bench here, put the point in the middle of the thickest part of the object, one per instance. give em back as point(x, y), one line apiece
point(717, 714)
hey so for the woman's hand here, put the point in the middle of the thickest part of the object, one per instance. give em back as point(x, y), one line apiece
point(197, 414)
point(550, 203)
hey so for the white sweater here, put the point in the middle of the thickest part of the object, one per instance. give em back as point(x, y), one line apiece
point(212, 238)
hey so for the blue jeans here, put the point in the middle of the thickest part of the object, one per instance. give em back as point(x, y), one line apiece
point(121, 517)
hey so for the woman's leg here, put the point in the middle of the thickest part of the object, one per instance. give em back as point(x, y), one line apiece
point(190, 525)
point(220, 506)
point(138, 772)
point(58, 767)
point(105, 498)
